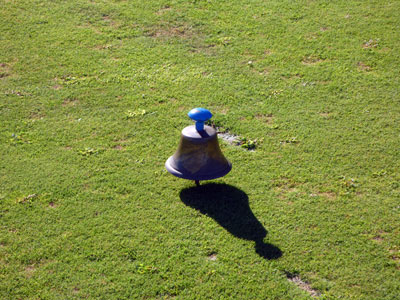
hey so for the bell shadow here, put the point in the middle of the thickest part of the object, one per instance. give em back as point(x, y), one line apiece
point(229, 206)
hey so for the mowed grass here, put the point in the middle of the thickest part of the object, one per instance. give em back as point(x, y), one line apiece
point(93, 96)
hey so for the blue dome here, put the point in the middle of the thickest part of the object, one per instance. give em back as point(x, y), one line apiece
point(200, 114)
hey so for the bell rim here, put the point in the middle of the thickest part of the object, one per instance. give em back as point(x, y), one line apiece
point(216, 175)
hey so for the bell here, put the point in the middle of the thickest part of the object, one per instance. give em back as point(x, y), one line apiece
point(198, 156)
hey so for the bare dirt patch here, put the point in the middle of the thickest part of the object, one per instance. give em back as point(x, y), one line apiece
point(304, 285)
point(395, 255)
point(212, 257)
point(378, 238)
point(229, 138)
point(118, 147)
point(4, 70)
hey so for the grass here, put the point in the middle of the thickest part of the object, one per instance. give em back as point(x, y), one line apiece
point(93, 96)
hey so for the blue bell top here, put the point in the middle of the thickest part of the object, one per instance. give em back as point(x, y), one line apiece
point(200, 115)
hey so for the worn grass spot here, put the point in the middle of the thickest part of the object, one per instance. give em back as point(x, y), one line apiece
point(111, 22)
point(268, 52)
point(70, 102)
point(284, 186)
point(328, 195)
point(325, 114)
point(29, 271)
point(36, 116)
point(266, 118)
point(104, 47)
point(311, 60)
point(163, 10)
point(380, 236)
point(289, 141)
point(364, 67)
point(311, 36)
point(371, 44)
point(171, 31)
point(28, 199)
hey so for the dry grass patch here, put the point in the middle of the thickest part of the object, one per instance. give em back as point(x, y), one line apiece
point(311, 36)
point(268, 52)
point(328, 195)
point(181, 31)
point(327, 114)
point(29, 271)
point(36, 116)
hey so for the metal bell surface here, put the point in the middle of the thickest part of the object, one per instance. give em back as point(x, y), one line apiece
point(198, 156)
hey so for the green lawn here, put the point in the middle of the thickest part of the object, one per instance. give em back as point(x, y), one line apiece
point(93, 96)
